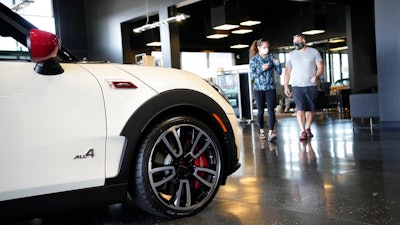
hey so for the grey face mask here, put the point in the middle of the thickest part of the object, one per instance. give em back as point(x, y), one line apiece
point(298, 45)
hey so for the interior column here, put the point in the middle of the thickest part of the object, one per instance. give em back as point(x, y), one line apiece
point(169, 35)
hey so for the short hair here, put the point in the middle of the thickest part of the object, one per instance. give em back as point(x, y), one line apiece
point(299, 35)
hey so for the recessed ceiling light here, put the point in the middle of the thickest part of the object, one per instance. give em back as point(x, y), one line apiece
point(338, 48)
point(336, 40)
point(154, 44)
point(239, 46)
point(242, 31)
point(217, 36)
point(313, 32)
point(250, 23)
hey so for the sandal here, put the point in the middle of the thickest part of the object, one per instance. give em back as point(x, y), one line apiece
point(272, 137)
point(262, 136)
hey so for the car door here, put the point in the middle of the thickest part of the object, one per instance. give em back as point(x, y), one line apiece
point(53, 130)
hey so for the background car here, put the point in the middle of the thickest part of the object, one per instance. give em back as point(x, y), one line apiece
point(80, 134)
point(342, 82)
point(339, 85)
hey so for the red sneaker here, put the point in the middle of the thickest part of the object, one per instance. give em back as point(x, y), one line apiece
point(309, 134)
point(303, 136)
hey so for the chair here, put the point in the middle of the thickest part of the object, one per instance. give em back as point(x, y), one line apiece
point(364, 105)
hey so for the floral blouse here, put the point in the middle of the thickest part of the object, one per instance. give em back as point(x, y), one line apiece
point(263, 79)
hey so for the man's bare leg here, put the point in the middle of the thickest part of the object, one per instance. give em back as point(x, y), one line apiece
point(309, 119)
point(301, 119)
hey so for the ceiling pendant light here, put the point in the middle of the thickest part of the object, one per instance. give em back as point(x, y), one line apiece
point(21, 5)
point(242, 31)
point(177, 18)
point(250, 22)
point(239, 46)
point(217, 36)
point(224, 17)
point(154, 44)
point(314, 23)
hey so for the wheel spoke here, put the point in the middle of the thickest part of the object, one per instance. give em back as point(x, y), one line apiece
point(183, 193)
point(194, 152)
point(164, 169)
point(199, 152)
point(175, 152)
point(201, 179)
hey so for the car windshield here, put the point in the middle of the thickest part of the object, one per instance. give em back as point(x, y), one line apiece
point(342, 82)
point(14, 31)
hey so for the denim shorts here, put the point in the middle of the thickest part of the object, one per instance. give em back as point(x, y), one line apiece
point(305, 98)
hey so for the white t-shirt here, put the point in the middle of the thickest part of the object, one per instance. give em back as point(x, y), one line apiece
point(304, 66)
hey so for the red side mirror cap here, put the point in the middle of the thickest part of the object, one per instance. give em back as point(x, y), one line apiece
point(42, 45)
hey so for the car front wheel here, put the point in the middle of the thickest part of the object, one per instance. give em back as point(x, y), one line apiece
point(178, 168)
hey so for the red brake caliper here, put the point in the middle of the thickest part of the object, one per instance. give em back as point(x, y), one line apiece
point(200, 161)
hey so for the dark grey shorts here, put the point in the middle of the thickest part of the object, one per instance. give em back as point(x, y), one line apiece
point(305, 98)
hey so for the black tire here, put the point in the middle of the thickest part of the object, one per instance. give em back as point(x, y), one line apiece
point(178, 168)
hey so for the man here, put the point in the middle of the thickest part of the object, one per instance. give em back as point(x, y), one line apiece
point(304, 66)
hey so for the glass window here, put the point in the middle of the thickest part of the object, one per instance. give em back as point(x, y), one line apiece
point(205, 64)
point(230, 85)
point(10, 49)
point(336, 66)
point(282, 57)
point(345, 66)
point(339, 68)
point(327, 68)
point(195, 62)
point(39, 13)
point(221, 59)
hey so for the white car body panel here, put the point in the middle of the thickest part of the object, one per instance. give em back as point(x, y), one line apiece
point(119, 103)
point(46, 122)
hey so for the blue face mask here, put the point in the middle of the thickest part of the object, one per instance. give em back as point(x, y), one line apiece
point(298, 45)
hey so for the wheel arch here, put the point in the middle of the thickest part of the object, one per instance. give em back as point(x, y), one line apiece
point(177, 102)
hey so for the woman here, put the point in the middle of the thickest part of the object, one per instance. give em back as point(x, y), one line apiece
point(262, 65)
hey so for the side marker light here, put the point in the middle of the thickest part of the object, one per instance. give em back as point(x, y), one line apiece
point(121, 85)
point(220, 122)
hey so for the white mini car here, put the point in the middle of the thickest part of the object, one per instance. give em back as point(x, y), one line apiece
point(82, 134)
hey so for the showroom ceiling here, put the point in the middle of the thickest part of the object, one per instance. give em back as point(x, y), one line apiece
point(279, 21)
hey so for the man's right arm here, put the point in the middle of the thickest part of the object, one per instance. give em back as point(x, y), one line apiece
point(286, 81)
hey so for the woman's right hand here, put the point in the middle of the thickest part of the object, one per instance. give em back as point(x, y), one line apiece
point(265, 66)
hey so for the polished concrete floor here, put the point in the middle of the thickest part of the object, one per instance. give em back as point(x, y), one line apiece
point(340, 176)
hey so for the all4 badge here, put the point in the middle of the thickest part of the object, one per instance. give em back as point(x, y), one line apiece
point(90, 153)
